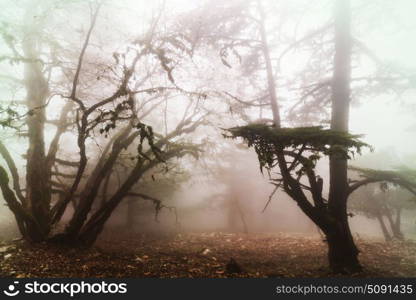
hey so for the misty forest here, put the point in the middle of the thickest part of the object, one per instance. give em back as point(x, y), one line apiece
point(184, 138)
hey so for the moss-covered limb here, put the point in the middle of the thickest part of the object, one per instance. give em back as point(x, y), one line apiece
point(404, 178)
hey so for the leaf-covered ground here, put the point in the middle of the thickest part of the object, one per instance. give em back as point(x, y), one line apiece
point(201, 255)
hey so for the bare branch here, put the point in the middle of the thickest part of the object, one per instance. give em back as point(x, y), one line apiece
point(80, 59)
point(276, 187)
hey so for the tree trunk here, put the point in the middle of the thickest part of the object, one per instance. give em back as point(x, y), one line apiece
point(270, 76)
point(38, 187)
point(236, 215)
point(242, 217)
point(395, 226)
point(398, 223)
point(94, 226)
point(343, 254)
point(383, 227)
point(92, 186)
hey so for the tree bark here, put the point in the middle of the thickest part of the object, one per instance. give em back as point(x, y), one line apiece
point(343, 254)
point(38, 187)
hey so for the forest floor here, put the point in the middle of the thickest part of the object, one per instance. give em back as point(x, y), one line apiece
point(201, 255)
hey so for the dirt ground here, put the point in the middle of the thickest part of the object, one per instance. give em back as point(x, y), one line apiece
point(201, 255)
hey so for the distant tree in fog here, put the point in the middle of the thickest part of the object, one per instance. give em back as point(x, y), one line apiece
point(383, 201)
point(386, 205)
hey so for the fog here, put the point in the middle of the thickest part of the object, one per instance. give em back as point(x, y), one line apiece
point(205, 80)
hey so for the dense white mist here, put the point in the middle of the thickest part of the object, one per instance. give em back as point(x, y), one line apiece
point(386, 121)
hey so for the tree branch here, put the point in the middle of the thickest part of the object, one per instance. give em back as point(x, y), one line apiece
point(13, 171)
point(80, 59)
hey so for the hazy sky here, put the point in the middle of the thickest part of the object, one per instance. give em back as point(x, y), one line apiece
point(383, 120)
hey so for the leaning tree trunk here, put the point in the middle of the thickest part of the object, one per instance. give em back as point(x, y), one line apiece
point(90, 231)
point(343, 254)
point(95, 225)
